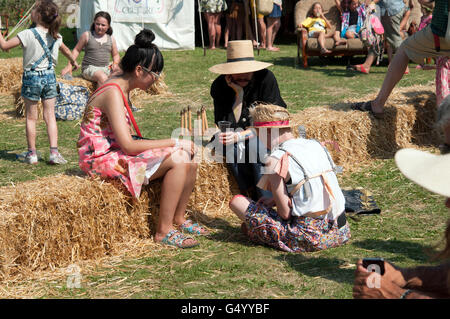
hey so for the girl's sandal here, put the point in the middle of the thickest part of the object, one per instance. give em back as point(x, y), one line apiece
point(193, 228)
point(176, 239)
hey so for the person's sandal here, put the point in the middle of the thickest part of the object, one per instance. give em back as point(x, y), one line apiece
point(366, 107)
point(193, 228)
point(176, 239)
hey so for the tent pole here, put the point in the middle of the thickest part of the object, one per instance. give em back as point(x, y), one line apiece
point(201, 27)
point(256, 25)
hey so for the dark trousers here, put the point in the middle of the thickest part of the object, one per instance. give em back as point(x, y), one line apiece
point(248, 174)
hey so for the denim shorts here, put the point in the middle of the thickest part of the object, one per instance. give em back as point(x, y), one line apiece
point(38, 85)
point(276, 12)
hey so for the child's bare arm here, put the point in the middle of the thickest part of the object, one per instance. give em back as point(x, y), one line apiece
point(6, 45)
point(68, 54)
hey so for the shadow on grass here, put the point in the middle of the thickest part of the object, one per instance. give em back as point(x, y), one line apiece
point(404, 249)
point(8, 156)
point(319, 267)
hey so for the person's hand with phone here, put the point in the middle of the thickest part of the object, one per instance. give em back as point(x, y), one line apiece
point(368, 284)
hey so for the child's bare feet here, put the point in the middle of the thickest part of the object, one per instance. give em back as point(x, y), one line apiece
point(340, 42)
point(324, 51)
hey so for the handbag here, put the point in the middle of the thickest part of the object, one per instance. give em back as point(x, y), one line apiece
point(71, 102)
point(264, 7)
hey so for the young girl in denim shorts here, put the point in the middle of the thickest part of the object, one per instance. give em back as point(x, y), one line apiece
point(40, 53)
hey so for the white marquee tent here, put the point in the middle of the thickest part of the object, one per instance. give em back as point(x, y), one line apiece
point(172, 21)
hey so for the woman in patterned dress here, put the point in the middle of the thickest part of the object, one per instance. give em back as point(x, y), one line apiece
point(309, 205)
point(107, 149)
point(212, 10)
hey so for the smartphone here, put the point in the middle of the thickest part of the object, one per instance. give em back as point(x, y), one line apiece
point(375, 264)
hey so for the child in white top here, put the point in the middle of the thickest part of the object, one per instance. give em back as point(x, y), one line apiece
point(308, 204)
point(40, 54)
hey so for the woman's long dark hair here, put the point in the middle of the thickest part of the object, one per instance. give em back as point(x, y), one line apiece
point(143, 52)
point(49, 16)
point(107, 16)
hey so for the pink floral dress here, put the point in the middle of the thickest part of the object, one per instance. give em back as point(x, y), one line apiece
point(100, 154)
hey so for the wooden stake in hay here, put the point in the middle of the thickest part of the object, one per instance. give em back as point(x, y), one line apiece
point(409, 118)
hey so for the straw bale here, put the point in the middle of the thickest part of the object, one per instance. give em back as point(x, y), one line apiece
point(10, 74)
point(409, 118)
point(55, 221)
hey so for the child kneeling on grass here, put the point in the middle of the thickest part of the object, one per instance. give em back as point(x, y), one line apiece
point(309, 204)
point(40, 53)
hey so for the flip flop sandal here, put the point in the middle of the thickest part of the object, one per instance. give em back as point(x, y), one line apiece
point(361, 69)
point(366, 107)
point(193, 228)
point(176, 239)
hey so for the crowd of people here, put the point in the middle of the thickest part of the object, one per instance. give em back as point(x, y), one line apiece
point(240, 17)
point(290, 196)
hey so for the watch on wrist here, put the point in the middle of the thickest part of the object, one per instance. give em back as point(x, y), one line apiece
point(406, 293)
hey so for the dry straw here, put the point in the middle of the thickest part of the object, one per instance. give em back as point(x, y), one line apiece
point(11, 78)
point(409, 118)
point(55, 221)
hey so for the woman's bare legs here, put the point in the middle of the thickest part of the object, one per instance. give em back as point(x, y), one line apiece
point(273, 24)
point(262, 32)
point(218, 28)
point(211, 29)
point(394, 74)
point(178, 178)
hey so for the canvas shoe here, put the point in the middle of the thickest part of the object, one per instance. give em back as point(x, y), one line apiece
point(56, 158)
point(30, 158)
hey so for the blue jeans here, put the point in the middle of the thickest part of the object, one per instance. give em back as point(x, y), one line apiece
point(38, 85)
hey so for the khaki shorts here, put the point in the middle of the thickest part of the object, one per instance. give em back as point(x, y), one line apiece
point(89, 72)
point(391, 27)
point(420, 46)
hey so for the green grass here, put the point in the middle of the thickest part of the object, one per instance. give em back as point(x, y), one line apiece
point(227, 265)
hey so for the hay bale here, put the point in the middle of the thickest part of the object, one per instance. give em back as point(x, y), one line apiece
point(55, 221)
point(10, 74)
point(409, 117)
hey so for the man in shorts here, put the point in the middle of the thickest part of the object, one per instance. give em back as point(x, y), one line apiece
point(429, 42)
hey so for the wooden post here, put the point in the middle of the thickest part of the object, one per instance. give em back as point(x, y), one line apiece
point(190, 120)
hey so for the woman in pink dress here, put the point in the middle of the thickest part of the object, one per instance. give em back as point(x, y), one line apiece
point(107, 148)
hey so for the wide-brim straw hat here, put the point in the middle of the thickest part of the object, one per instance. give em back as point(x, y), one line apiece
point(269, 116)
point(240, 59)
point(430, 171)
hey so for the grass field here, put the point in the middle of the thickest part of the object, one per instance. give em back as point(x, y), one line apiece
point(227, 265)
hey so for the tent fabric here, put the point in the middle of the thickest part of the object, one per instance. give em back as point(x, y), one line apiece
point(172, 21)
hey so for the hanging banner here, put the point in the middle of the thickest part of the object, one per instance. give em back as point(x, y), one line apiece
point(147, 11)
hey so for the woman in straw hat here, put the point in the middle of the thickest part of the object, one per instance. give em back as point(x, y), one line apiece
point(433, 173)
point(309, 214)
point(242, 82)
point(106, 147)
